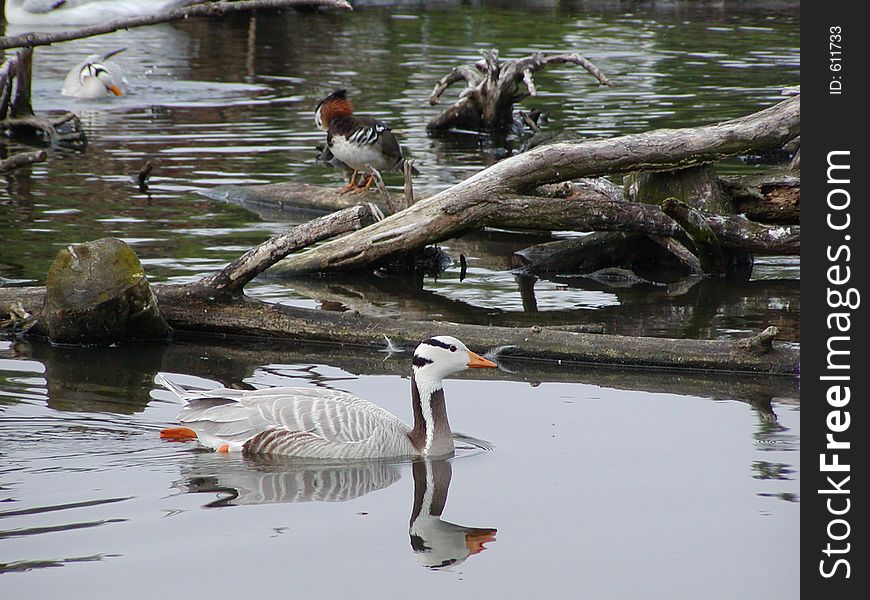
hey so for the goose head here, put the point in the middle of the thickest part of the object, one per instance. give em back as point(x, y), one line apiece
point(95, 77)
point(434, 359)
point(440, 356)
point(96, 82)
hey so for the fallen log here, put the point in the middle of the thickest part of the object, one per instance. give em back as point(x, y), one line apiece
point(587, 209)
point(246, 317)
point(772, 198)
point(495, 193)
point(302, 325)
point(208, 307)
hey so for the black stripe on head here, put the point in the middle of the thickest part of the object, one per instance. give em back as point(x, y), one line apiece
point(420, 361)
point(437, 342)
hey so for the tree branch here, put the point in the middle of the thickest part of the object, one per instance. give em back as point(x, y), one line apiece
point(207, 9)
point(471, 75)
point(21, 159)
point(232, 279)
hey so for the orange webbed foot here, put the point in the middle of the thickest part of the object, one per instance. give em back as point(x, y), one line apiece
point(178, 434)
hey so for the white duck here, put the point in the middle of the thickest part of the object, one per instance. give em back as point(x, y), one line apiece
point(82, 12)
point(319, 423)
point(94, 77)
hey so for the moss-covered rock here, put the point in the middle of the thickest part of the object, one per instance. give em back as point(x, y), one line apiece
point(97, 293)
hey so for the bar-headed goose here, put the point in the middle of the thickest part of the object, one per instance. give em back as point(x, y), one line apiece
point(94, 77)
point(321, 423)
point(82, 12)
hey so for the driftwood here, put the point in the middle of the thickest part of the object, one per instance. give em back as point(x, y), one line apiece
point(205, 9)
point(248, 317)
point(206, 308)
point(493, 86)
point(230, 281)
point(588, 209)
point(498, 193)
point(22, 159)
point(769, 198)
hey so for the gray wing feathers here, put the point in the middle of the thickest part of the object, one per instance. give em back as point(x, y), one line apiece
point(311, 422)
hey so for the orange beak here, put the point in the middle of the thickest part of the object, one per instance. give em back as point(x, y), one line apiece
point(476, 361)
point(475, 541)
point(116, 90)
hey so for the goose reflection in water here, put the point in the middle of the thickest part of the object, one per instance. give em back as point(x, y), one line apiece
point(439, 543)
point(271, 480)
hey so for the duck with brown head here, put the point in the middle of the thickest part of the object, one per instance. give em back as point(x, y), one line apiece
point(357, 141)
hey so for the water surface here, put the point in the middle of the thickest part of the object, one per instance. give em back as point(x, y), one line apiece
point(594, 491)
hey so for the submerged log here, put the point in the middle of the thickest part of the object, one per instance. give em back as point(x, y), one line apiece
point(97, 293)
point(248, 317)
point(295, 197)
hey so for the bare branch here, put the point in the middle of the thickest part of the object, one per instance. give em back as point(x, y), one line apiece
point(233, 278)
point(206, 9)
point(408, 169)
point(19, 160)
point(471, 75)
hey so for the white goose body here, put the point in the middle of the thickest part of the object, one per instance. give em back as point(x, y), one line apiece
point(320, 423)
point(82, 12)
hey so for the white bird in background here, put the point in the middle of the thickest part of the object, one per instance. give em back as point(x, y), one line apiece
point(323, 423)
point(94, 77)
point(82, 12)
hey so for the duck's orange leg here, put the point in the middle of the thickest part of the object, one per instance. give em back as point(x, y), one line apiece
point(367, 185)
point(351, 185)
point(178, 434)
